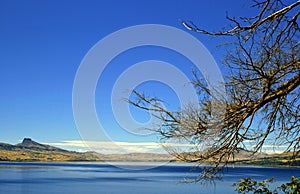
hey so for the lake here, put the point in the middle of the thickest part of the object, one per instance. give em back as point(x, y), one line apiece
point(36, 178)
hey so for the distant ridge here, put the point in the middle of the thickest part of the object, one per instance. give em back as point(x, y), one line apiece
point(30, 150)
point(30, 144)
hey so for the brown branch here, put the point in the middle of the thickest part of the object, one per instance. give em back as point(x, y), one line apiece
point(239, 28)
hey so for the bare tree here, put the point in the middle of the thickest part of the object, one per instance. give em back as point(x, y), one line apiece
point(262, 101)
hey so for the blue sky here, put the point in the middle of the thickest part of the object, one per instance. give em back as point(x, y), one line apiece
point(42, 44)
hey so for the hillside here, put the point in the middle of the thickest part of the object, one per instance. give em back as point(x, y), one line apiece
point(283, 159)
point(30, 150)
point(136, 157)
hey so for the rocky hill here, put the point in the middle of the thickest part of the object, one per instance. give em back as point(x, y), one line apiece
point(30, 150)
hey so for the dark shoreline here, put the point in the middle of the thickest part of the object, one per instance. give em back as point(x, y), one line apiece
point(150, 163)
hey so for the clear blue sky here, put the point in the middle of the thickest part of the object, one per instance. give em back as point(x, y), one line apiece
point(42, 43)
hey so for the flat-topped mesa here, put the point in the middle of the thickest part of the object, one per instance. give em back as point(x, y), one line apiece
point(27, 141)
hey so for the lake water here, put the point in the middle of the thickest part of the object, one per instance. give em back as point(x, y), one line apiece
point(36, 178)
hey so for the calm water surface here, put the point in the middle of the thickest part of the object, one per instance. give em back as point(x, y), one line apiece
point(36, 178)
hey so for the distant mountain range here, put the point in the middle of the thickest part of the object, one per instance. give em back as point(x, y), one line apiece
point(30, 150)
